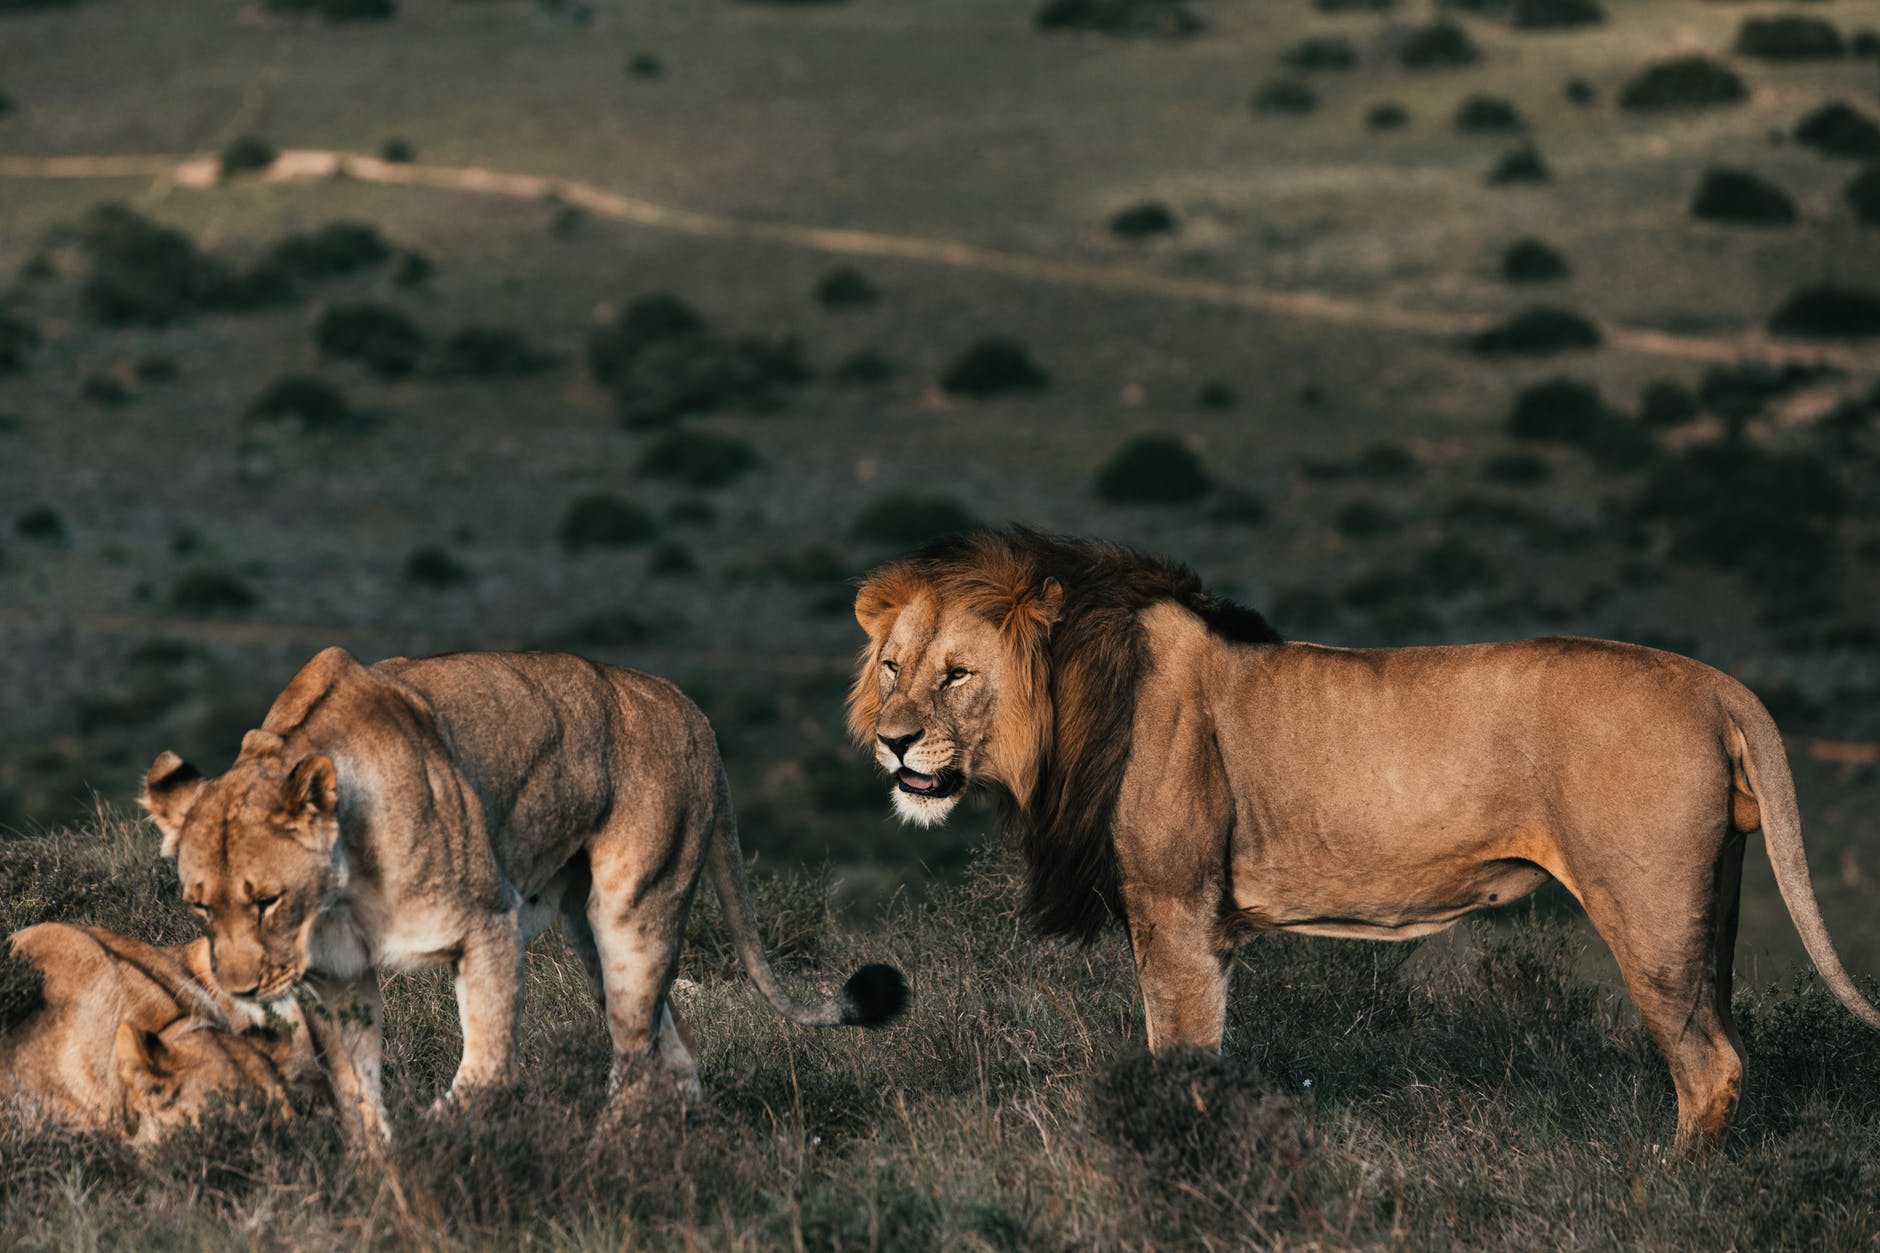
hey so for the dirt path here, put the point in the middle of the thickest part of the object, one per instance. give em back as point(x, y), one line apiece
point(303, 165)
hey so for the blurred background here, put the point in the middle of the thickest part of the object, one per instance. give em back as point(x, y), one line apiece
point(642, 329)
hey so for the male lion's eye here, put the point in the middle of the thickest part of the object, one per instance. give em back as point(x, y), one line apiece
point(957, 674)
point(263, 904)
point(889, 666)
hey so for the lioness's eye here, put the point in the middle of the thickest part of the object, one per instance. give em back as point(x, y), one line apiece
point(263, 904)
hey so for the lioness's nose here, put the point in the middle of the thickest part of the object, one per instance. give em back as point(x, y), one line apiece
point(898, 744)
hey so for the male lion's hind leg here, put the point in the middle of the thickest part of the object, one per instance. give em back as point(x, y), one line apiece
point(1182, 972)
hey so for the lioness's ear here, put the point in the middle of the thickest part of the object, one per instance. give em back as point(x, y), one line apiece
point(310, 799)
point(259, 743)
point(140, 1060)
point(170, 787)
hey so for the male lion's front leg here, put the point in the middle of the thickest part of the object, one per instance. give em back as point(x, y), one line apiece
point(489, 1005)
point(343, 1020)
point(1182, 972)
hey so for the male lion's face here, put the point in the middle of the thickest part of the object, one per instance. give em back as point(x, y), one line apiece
point(172, 1077)
point(255, 854)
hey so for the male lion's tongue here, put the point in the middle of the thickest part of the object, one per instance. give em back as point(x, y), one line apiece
point(919, 782)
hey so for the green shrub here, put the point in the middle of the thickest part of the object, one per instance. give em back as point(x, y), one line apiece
point(492, 352)
point(1559, 411)
point(1533, 261)
point(864, 366)
point(692, 511)
point(698, 459)
point(1788, 37)
point(1517, 469)
point(205, 590)
point(1364, 520)
point(146, 274)
point(1142, 221)
point(648, 319)
point(603, 520)
point(1828, 312)
point(1439, 45)
point(412, 269)
point(1285, 95)
point(993, 366)
point(1837, 129)
point(398, 151)
point(18, 338)
point(1321, 52)
point(1217, 394)
point(1665, 405)
point(1539, 331)
point(306, 401)
point(1488, 115)
point(671, 559)
point(1522, 165)
point(1387, 115)
point(1686, 82)
point(1739, 392)
point(1863, 196)
point(1556, 14)
point(1743, 198)
point(245, 154)
point(846, 287)
point(1152, 470)
point(664, 363)
point(906, 519)
point(336, 249)
point(7, 106)
point(41, 523)
point(105, 390)
point(1579, 91)
point(357, 10)
point(1354, 6)
point(1170, 18)
point(435, 567)
point(645, 65)
point(378, 336)
point(1734, 505)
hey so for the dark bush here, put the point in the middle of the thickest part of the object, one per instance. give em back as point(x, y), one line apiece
point(1864, 43)
point(1838, 130)
point(1579, 91)
point(994, 366)
point(603, 520)
point(1487, 115)
point(18, 337)
point(1377, 461)
point(1523, 165)
point(1788, 37)
point(1152, 470)
point(1453, 566)
point(670, 559)
point(865, 366)
point(309, 402)
point(398, 151)
point(378, 336)
point(1387, 115)
point(157, 368)
point(692, 511)
point(1140, 221)
point(1740, 197)
point(1734, 505)
point(1321, 52)
point(697, 459)
point(41, 522)
point(412, 269)
point(146, 274)
point(1539, 331)
point(1217, 394)
point(1665, 405)
point(1363, 520)
point(105, 390)
point(1556, 14)
point(1517, 469)
point(846, 287)
point(1863, 196)
point(1828, 312)
point(646, 320)
point(1239, 508)
point(204, 590)
point(435, 567)
point(697, 374)
point(1354, 6)
point(1533, 261)
point(357, 10)
point(1439, 45)
point(1736, 393)
point(1285, 95)
point(1687, 82)
point(645, 65)
point(492, 352)
point(1119, 17)
point(7, 107)
point(245, 154)
point(1558, 411)
point(905, 519)
point(333, 250)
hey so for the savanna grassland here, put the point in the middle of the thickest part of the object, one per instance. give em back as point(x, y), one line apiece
point(1441, 323)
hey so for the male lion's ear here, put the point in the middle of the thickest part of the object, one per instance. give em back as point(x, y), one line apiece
point(1035, 609)
point(170, 787)
point(310, 799)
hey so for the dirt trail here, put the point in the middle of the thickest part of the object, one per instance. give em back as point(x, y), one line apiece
point(303, 165)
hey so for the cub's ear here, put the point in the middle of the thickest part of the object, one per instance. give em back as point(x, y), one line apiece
point(140, 1061)
point(171, 786)
point(310, 801)
point(259, 743)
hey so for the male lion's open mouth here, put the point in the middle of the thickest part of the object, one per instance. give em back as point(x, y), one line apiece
point(915, 783)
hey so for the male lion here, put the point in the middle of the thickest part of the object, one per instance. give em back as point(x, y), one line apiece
point(448, 809)
point(131, 1038)
point(1166, 761)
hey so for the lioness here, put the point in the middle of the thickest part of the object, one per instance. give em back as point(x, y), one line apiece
point(448, 809)
point(1166, 761)
point(129, 1037)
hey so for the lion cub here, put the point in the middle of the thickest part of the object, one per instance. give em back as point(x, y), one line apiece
point(447, 810)
point(135, 1039)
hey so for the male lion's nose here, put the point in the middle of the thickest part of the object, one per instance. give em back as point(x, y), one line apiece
point(899, 744)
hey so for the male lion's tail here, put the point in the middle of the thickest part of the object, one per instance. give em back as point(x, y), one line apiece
point(874, 996)
point(1758, 750)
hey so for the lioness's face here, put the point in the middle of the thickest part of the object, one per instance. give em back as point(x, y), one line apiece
point(254, 853)
point(171, 1078)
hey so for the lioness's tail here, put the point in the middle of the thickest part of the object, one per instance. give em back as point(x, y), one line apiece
point(874, 995)
point(1759, 751)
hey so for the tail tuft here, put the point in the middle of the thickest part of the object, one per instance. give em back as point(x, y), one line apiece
point(874, 996)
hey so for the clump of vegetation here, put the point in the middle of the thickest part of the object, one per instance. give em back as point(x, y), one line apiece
point(412, 269)
point(1735, 505)
point(1387, 115)
point(1143, 221)
point(1152, 470)
point(1579, 91)
point(1170, 18)
point(904, 519)
point(1321, 52)
point(1665, 405)
point(1354, 6)
point(18, 337)
point(41, 523)
point(603, 520)
point(1522, 165)
point(106, 390)
point(434, 567)
point(1488, 115)
point(1217, 394)
point(1828, 312)
point(1788, 37)
point(646, 320)
point(1285, 95)
point(335, 249)
point(1837, 129)
point(1556, 14)
point(148, 275)
point(1736, 393)
point(381, 338)
point(664, 363)
point(1686, 82)
point(1567, 411)
point(698, 459)
point(1533, 261)
point(1517, 469)
point(156, 368)
point(1377, 461)
point(994, 366)
point(1453, 566)
point(1741, 198)
point(846, 287)
point(207, 590)
point(646, 65)
point(306, 401)
point(246, 154)
point(490, 352)
point(1863, 196)
point(865, 367)
point(1539, 331)
point(1439, 45)
point(340, 10)
point(1363, 520)
point(398, 151)
point(1238, 507)
point(671, 559)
